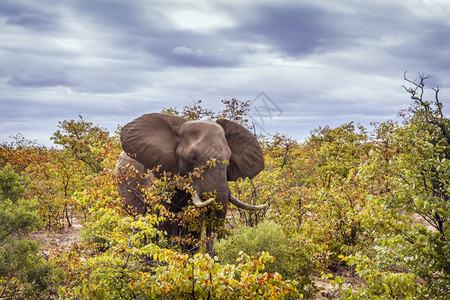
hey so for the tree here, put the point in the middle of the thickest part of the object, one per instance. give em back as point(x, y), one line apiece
point(235, 110)
point(412, 258)
point(337, 193)
point(78, 137)
point(10, 187)
point(424, 189)
point(191, 112)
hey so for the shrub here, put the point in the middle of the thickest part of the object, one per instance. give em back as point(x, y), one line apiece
point(23, 272)
point(292, 259)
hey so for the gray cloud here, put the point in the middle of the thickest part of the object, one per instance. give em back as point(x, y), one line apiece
point(31, 20)
point(40, 78)
point(296, 28)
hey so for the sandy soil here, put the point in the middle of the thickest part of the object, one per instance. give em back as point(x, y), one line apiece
point(62, 239)
point(326, 289)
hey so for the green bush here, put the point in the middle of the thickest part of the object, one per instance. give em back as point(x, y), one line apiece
point(292, 256)
point(24, 273)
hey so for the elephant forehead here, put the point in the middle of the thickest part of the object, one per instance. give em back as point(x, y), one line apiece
point(196, 129)
point(204, 139)
point(201, 124)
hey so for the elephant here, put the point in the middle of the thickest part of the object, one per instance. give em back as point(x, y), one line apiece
point(174, 145)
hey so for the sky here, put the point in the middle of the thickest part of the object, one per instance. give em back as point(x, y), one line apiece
point(302, 64)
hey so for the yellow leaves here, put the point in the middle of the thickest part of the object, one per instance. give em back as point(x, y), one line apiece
point(202, 275)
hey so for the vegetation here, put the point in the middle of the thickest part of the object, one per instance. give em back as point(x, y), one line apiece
point(23, 270)
point(370, 204)
point(292, 260)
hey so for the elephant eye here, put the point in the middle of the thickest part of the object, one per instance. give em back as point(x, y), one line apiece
point(192, 159)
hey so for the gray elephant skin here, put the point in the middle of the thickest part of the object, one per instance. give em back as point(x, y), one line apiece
point(173, 144)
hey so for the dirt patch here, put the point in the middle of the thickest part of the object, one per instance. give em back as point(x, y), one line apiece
point(326, 290)
point(62, 239)
point(419, 219)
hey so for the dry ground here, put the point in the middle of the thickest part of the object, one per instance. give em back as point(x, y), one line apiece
point(62, 239)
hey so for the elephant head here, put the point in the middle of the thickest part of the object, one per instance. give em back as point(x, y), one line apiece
point(179, 146)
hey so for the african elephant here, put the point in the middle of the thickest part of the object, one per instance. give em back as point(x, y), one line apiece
point(179, 146)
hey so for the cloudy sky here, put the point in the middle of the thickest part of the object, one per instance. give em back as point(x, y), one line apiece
point(316, 63)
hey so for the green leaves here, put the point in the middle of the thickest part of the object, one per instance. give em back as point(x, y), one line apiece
point(11, 187)
point(293, 257)
point(79, 137)
point(23, 270)
point(17, 215)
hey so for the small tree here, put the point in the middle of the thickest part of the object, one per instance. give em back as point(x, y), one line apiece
point(235, 110)
point(79, 137)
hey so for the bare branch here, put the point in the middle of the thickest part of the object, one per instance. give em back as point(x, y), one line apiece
point(432, 116)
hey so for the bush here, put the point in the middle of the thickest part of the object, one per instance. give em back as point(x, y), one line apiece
point(292, 259)
point(23, 272)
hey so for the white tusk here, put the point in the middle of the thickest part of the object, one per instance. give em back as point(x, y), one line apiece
point(246, 206)
point(199, 203)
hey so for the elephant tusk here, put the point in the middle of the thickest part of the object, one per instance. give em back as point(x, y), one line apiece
point(246, 206)
point(199, 203)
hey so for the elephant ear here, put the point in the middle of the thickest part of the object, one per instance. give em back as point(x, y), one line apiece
point(247, 158)
point(151, 139)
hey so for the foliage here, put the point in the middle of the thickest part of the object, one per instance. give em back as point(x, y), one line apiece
point(340, 194)
point(56, 175)
point(267, 236)
point(17, 216)
point(21, 153)
point(23, 272)
point(10, 186)
point(412, 259)
point(279, 184)
point(78, 137)
point(203, 277)
point(176, 276)
point(291, 261)
point(235, 110)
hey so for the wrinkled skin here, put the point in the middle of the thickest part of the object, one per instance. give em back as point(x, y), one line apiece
point(179, 146)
